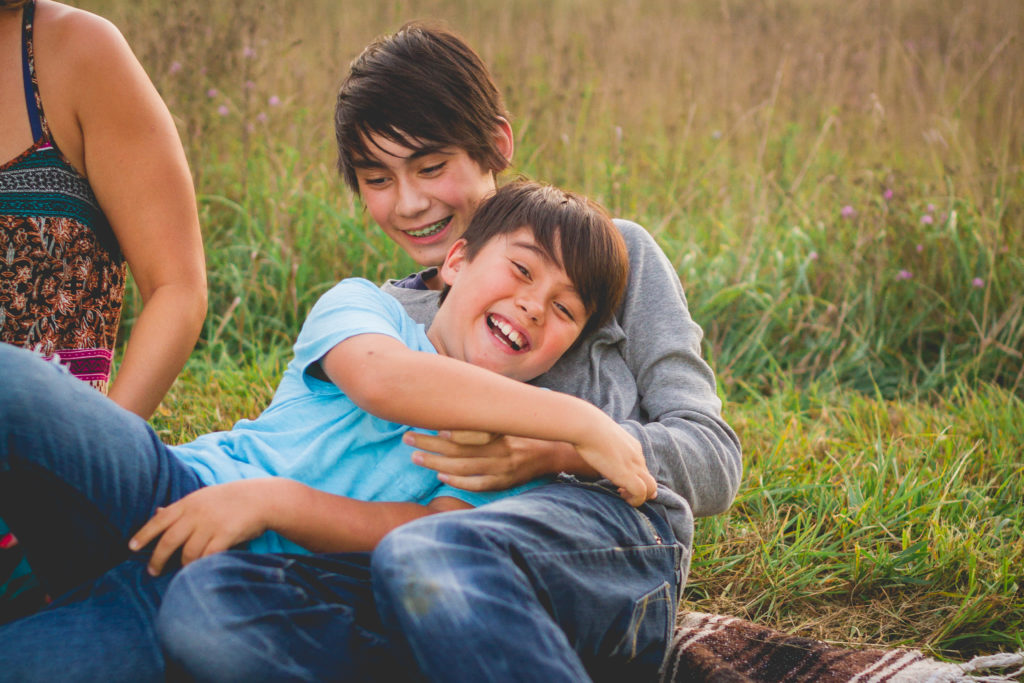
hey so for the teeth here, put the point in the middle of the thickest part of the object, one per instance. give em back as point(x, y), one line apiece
point(510, 333)
point(430, 229)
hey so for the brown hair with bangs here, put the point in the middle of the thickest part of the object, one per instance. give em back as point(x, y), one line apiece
point(421, 87)
point(573, 231)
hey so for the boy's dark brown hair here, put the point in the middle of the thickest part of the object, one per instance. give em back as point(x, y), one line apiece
point(421, 86)
point(575, 232)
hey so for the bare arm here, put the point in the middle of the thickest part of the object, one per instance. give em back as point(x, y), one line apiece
point(130, 151)
point(389, 380)
point(219, 517)
point(648, 357)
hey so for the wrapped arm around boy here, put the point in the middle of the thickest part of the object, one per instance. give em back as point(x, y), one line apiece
point(592, 608)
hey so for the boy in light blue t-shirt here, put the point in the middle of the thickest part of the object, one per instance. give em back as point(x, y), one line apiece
point(325, 468)
point(538, 268)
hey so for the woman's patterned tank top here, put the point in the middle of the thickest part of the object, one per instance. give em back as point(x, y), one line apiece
point(62, 275)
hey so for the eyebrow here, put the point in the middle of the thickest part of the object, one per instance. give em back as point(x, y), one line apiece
point(427, 150)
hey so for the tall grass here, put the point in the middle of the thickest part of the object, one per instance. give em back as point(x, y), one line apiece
point(736, 136)
point(839, 186)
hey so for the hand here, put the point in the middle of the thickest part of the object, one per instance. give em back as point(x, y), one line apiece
point(204, 522)
point(618, 456)
point(479, 461)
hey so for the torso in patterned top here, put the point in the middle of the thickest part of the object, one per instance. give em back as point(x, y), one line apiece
point(61, 272)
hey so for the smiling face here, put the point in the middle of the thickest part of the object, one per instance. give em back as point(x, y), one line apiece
point(422, 198)
point(511, 309)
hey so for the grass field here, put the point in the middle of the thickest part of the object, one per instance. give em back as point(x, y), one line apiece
point(840, 187)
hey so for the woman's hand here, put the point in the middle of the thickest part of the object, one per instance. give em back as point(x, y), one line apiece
point(478, 461)
point(206, 521)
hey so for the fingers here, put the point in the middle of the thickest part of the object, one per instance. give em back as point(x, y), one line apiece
point(464, 466)
point(652, 486)
point(460, 444)
point(150, 530)
point(174, 535)
point(471, 438)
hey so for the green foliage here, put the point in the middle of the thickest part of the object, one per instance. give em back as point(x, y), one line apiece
point(867, 519)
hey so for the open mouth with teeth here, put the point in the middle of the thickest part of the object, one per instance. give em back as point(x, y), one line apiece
point(430, 230)
point(506, 333)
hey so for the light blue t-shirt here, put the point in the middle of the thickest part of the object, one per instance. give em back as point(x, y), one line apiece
point(313, 433)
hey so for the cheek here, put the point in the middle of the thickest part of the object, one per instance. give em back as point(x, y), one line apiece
point(468, 189)
point(564, 338)
point(378, 206)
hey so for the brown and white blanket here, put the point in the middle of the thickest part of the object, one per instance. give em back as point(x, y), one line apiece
point(710, 648)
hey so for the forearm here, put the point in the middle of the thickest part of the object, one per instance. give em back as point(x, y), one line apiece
point(160, 342)
point(390, 381)
point(323, 522)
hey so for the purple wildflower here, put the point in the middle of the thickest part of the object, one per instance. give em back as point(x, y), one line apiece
point(887, 195)
point(175, 67)
point(223, 110)
point(211, 93)
point(927, 219)
point(274, 100)
point(904, 275)
point(847, 211)
point(813, 256)
point(977, 282)
point(919, 248)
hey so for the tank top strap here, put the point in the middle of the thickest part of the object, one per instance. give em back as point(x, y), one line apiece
point(33, 102)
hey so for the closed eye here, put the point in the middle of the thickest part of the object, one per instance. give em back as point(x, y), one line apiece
point(523, 270)
point(433, 170)
point(375, 182)
point(565, 311)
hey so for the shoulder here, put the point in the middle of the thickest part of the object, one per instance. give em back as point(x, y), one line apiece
point(357, 291)
point(420, 304)
point(83, 39)
point(638, 239)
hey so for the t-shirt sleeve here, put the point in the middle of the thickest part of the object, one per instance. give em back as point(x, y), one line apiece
point(350, 308)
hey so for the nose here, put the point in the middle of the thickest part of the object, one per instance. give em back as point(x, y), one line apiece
point(531, 306)
point(410, 201)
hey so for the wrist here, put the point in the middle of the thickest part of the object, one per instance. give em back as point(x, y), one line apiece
point(567, 459)
point(281, 497)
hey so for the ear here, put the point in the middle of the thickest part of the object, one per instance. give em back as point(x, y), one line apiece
point(504, 138)
point(453, 262)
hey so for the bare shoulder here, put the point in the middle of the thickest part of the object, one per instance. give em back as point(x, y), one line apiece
point(81, 39)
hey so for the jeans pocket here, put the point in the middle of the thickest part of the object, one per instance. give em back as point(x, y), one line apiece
point(650, 627)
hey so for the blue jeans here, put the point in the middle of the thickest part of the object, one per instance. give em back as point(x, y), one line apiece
point(561, 583)
point(78, 476)
point(241, 616)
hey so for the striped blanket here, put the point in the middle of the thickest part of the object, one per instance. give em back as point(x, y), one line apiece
point(710, 648)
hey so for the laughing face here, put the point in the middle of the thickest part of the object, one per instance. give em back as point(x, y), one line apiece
point(422, 198)
point(511, 309)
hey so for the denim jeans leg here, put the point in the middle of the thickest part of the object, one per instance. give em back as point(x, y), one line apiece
point(240, 616)
point(78, 474)
point(565, 582)
point(101, 631)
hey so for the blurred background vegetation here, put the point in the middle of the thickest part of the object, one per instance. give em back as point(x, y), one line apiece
point(839, 186)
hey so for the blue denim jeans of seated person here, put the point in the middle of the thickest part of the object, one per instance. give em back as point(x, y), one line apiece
point(565, 582)
point(562, 583)
point(78, 476)
point(241, 616)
